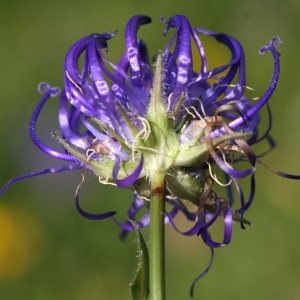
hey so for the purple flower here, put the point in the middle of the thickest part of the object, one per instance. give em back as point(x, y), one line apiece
point(125, 124)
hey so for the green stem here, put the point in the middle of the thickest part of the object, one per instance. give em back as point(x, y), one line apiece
point(157, 237)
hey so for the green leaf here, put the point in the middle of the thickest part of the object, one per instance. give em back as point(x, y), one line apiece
point(140, 286)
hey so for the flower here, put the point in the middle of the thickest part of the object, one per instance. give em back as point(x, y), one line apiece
point(125, 124)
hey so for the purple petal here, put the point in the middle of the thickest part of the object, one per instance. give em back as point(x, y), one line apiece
point(127, 227)
point(87, 215)
point(48, 92)
point(266, 134)
point(139, 68)
point(203, 273)
point(264, 99)
point(190, 232)
point(133, 210)
point(181, 58)
point(69, 124)
point(229, 170)
point(209, 242)
point(177, 203)
point(242, 200)
point(236, 64)
point(203, 225)
point(279, 173)
point(251, 195)
point(75, 166)
point(130, 179)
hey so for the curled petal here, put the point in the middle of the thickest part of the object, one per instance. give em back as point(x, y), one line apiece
point(227, 224)
point(95, 65)
point(71, 61)
point(203, 273)
point(237, 64)
point(279, 173)
point(91, 216)
point(223, 165)
point(48, 92)
point(204, 225)
point(193, 231)
point(264, 99)
point(209, 242)
point(87, 215)
point(133, 210)
point(242, 201)
point(73, 78)
point(182, 53)
point(230, 195)
point(75, 166)
point(143, 222)
point(179, 206)
point(130, 179)
point(69, 124)
point(171, 215)
point(266, 135)
point(140, 74)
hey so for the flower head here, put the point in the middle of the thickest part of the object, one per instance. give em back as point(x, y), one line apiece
point(125, 123)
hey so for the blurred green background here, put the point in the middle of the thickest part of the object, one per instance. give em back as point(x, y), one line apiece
point(48, 251)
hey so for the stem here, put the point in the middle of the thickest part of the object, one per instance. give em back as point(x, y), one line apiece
point(157, 237)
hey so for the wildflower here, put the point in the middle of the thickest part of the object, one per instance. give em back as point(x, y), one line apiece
point(128, 126)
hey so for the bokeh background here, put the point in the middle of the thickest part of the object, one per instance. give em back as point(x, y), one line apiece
point(48, 251)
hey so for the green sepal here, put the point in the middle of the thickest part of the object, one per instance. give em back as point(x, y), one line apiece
point(102, 169)
point(142, 187)
point(139, 288)
point(184, 186)
point(191, 156)
point(187, 187)
point(162, 143)
point(175, 113)
point(132, 128)
point(113, 134)
point(192, 134)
